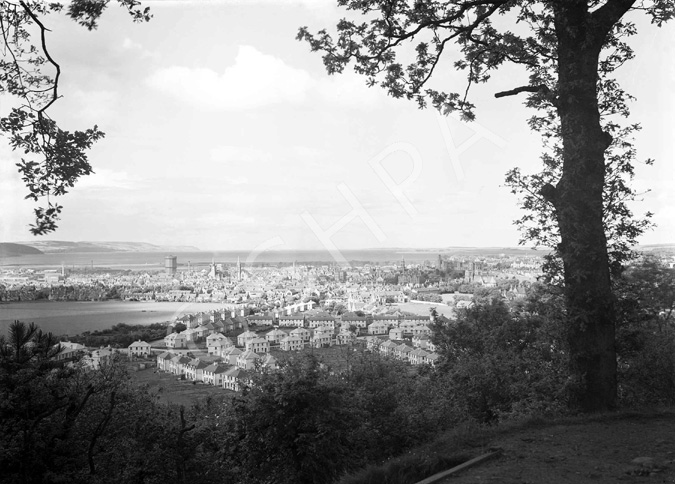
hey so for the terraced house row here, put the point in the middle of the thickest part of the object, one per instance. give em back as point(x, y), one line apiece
point(231, 374)
point(422, 351)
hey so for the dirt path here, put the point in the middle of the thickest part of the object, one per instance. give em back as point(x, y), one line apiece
point(628, 448)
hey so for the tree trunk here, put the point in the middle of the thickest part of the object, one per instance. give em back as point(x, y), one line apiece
point(578, 200)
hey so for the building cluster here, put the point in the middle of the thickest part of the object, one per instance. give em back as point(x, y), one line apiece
point(231, 359)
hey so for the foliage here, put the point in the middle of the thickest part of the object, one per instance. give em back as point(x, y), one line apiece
point(53, 159)
point(646, 334)
point(121, 335)
point(502, 361)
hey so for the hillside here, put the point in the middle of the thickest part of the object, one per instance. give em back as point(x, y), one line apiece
point(61, 246)
point(15, 250)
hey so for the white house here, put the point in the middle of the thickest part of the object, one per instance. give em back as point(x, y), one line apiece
point(216, 342)
point(194, 369)
point(258, 345)
point(302, 333)
point(275, 336)
point(292, 343)
point(139, 348)
point(244, 337)
point(213, 374)
point(378, 328)
point(396, 333)
point(175, 340)
point(247, 360)
point(230, 354)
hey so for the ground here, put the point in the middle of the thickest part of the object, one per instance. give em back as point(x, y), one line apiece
point(637, 448)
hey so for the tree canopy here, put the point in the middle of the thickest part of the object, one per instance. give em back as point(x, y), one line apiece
point(53, 159)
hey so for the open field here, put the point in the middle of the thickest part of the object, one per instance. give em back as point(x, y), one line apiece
point(422, 309)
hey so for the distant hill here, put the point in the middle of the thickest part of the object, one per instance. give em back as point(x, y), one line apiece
point(480, 251)
point(15, 250)
point(66, 247)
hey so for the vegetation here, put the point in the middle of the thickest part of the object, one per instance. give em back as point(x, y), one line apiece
point(570, 51)
point(121, 335)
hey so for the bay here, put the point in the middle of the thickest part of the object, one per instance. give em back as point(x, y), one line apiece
point(74, 317)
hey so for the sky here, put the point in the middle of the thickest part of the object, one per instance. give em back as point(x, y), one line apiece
point(223, 132)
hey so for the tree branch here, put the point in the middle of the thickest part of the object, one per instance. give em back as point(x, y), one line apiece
point(43, 40)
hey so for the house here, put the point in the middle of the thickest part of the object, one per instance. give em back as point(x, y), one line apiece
point(388, 348)
point(194, 369)
point(175, 340)
point(177, 364)
point(373, 343)
point(234, 378)
point(216, 342)
point(230, 354)
point(292, 343)
point(322, 320)
point(247, 360)
point(269, 361)
point(202, 332)
point(190, 334)
point(258, 345)
point(420, 341)
point(432, 359)
point(98, 358)
point(321, 339)
point(378, 328)
point(421, 329)
point(396, 333)
point(407, 327)
point(275, 336)
point(402, 351)
point(417, 356)
point(417, 319)
point(244, 337)
point(302, 333)
point(261, 320)
point(163, 360)
point(353, 320)
point(390, 320)
point(69, 351)
point(213, 374)
point(345, 337)
point(139, 348)
point(292, 321)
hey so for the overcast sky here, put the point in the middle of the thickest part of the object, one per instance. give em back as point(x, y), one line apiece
point(224, 132)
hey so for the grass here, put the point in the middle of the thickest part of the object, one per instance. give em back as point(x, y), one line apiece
point(451, 449)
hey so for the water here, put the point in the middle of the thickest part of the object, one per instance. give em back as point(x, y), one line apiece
point(74, 317)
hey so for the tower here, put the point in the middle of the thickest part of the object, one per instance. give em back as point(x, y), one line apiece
point(238, 269)
point(170, 264)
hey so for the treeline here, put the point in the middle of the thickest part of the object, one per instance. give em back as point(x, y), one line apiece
point(120, 335)
point(310, 422)
point(77, 292)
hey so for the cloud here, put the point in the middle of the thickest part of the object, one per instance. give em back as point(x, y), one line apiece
point(253, 81)
point(256, 80)
point(104, 178)
point(234, 154)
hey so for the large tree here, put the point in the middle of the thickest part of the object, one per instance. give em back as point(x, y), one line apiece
point(52, 159)
point(568, 48)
